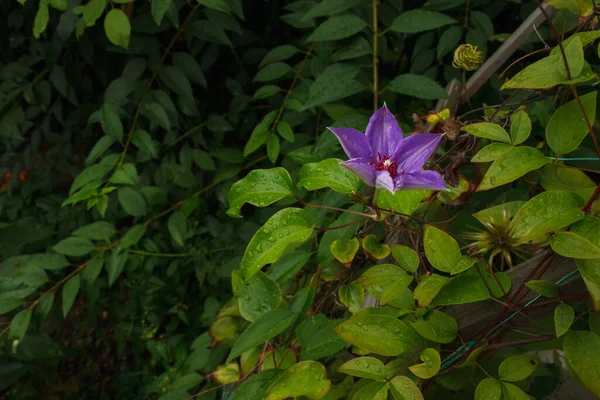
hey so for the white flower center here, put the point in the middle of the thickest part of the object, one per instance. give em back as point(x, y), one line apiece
point(387, 163)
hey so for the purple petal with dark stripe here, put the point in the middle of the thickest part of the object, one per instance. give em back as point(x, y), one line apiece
point(354, 143)
point(415, 150)
point(383, 132)
point(362, 168)
point(430, 180)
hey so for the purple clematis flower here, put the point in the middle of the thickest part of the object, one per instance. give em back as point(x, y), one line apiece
point(385, 160)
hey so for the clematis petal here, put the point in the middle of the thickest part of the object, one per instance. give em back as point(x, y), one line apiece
point(420, 180)
point(383, 132)
point(354, 143)
point(362, 168)
point(415, 150)
point(383, 180)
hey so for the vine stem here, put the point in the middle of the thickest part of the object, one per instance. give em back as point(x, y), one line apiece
point(151, 82)
point(291, 89)
point(569, 76)
point(332, 208)
point(375, 57)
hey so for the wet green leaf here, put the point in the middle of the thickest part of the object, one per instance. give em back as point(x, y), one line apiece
point(288, 226)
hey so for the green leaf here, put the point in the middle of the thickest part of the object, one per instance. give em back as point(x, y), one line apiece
point(469, 287)
point(69, 293)
point(19, 325)
point(564, 315)
point(364, 367)
point(219, 5)
point(513, 392)
point(371, 391)
point(373, 248)
point(589, 228)
point(41, 19)
point(336, 82)
point(158, 9)
point(420, 20)
point(176, 80)
point(386, 279)
point(491, 152)
point(143, 141)
point(357, 48)
point(569, 244)
point(111, 123)
point(517, 368)
point(290, 225)
point(190, 67)
point(273, 146)
point(99, 149)
point(328, 173)
point(266, 327)
point(582, 353)
point(487, 130)
point(449, 41)
point(133, 235)
point(272, 72)
point(403, 201)
point(209, 31)
point(45, 305)
point(556, 178)
point(260, 188)
point(156, 114)
point(575, 60)
point(260, 134)
point(437, 327)
point(419, 86)
point(429, 287)
point(585, 38)
point(403, 388)
point(285, 131)
point(279, 53)
point(256, 386)
point(92, 11)
point(567, 127)
point(488, 389)
point(345, 250)
point(431, 364)
point(96, 231)
point(287, 266)
point(132, 202)
point(74, 246)
point(545, 288)
point(31, 275)
point(336, 28)
point(307, 378)
point(329, 7)
point(224, 374)
point(317, 339)
point(265, 92)
point(443, 253)
point(512, 165)
point(117, 27)
point(379, 334)
point(546, 212)
point(92, 271)
point(177, 225)
point(594, 322)
point(125, 174)
point(406, 257)
point(352, 296)
point(544, 74)
point(520, 127)
point(258, 296)
point(496, 213)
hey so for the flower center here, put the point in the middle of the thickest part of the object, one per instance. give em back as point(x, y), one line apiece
point(384, 163)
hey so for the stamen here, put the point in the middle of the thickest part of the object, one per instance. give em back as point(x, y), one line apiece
point(384, 163)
